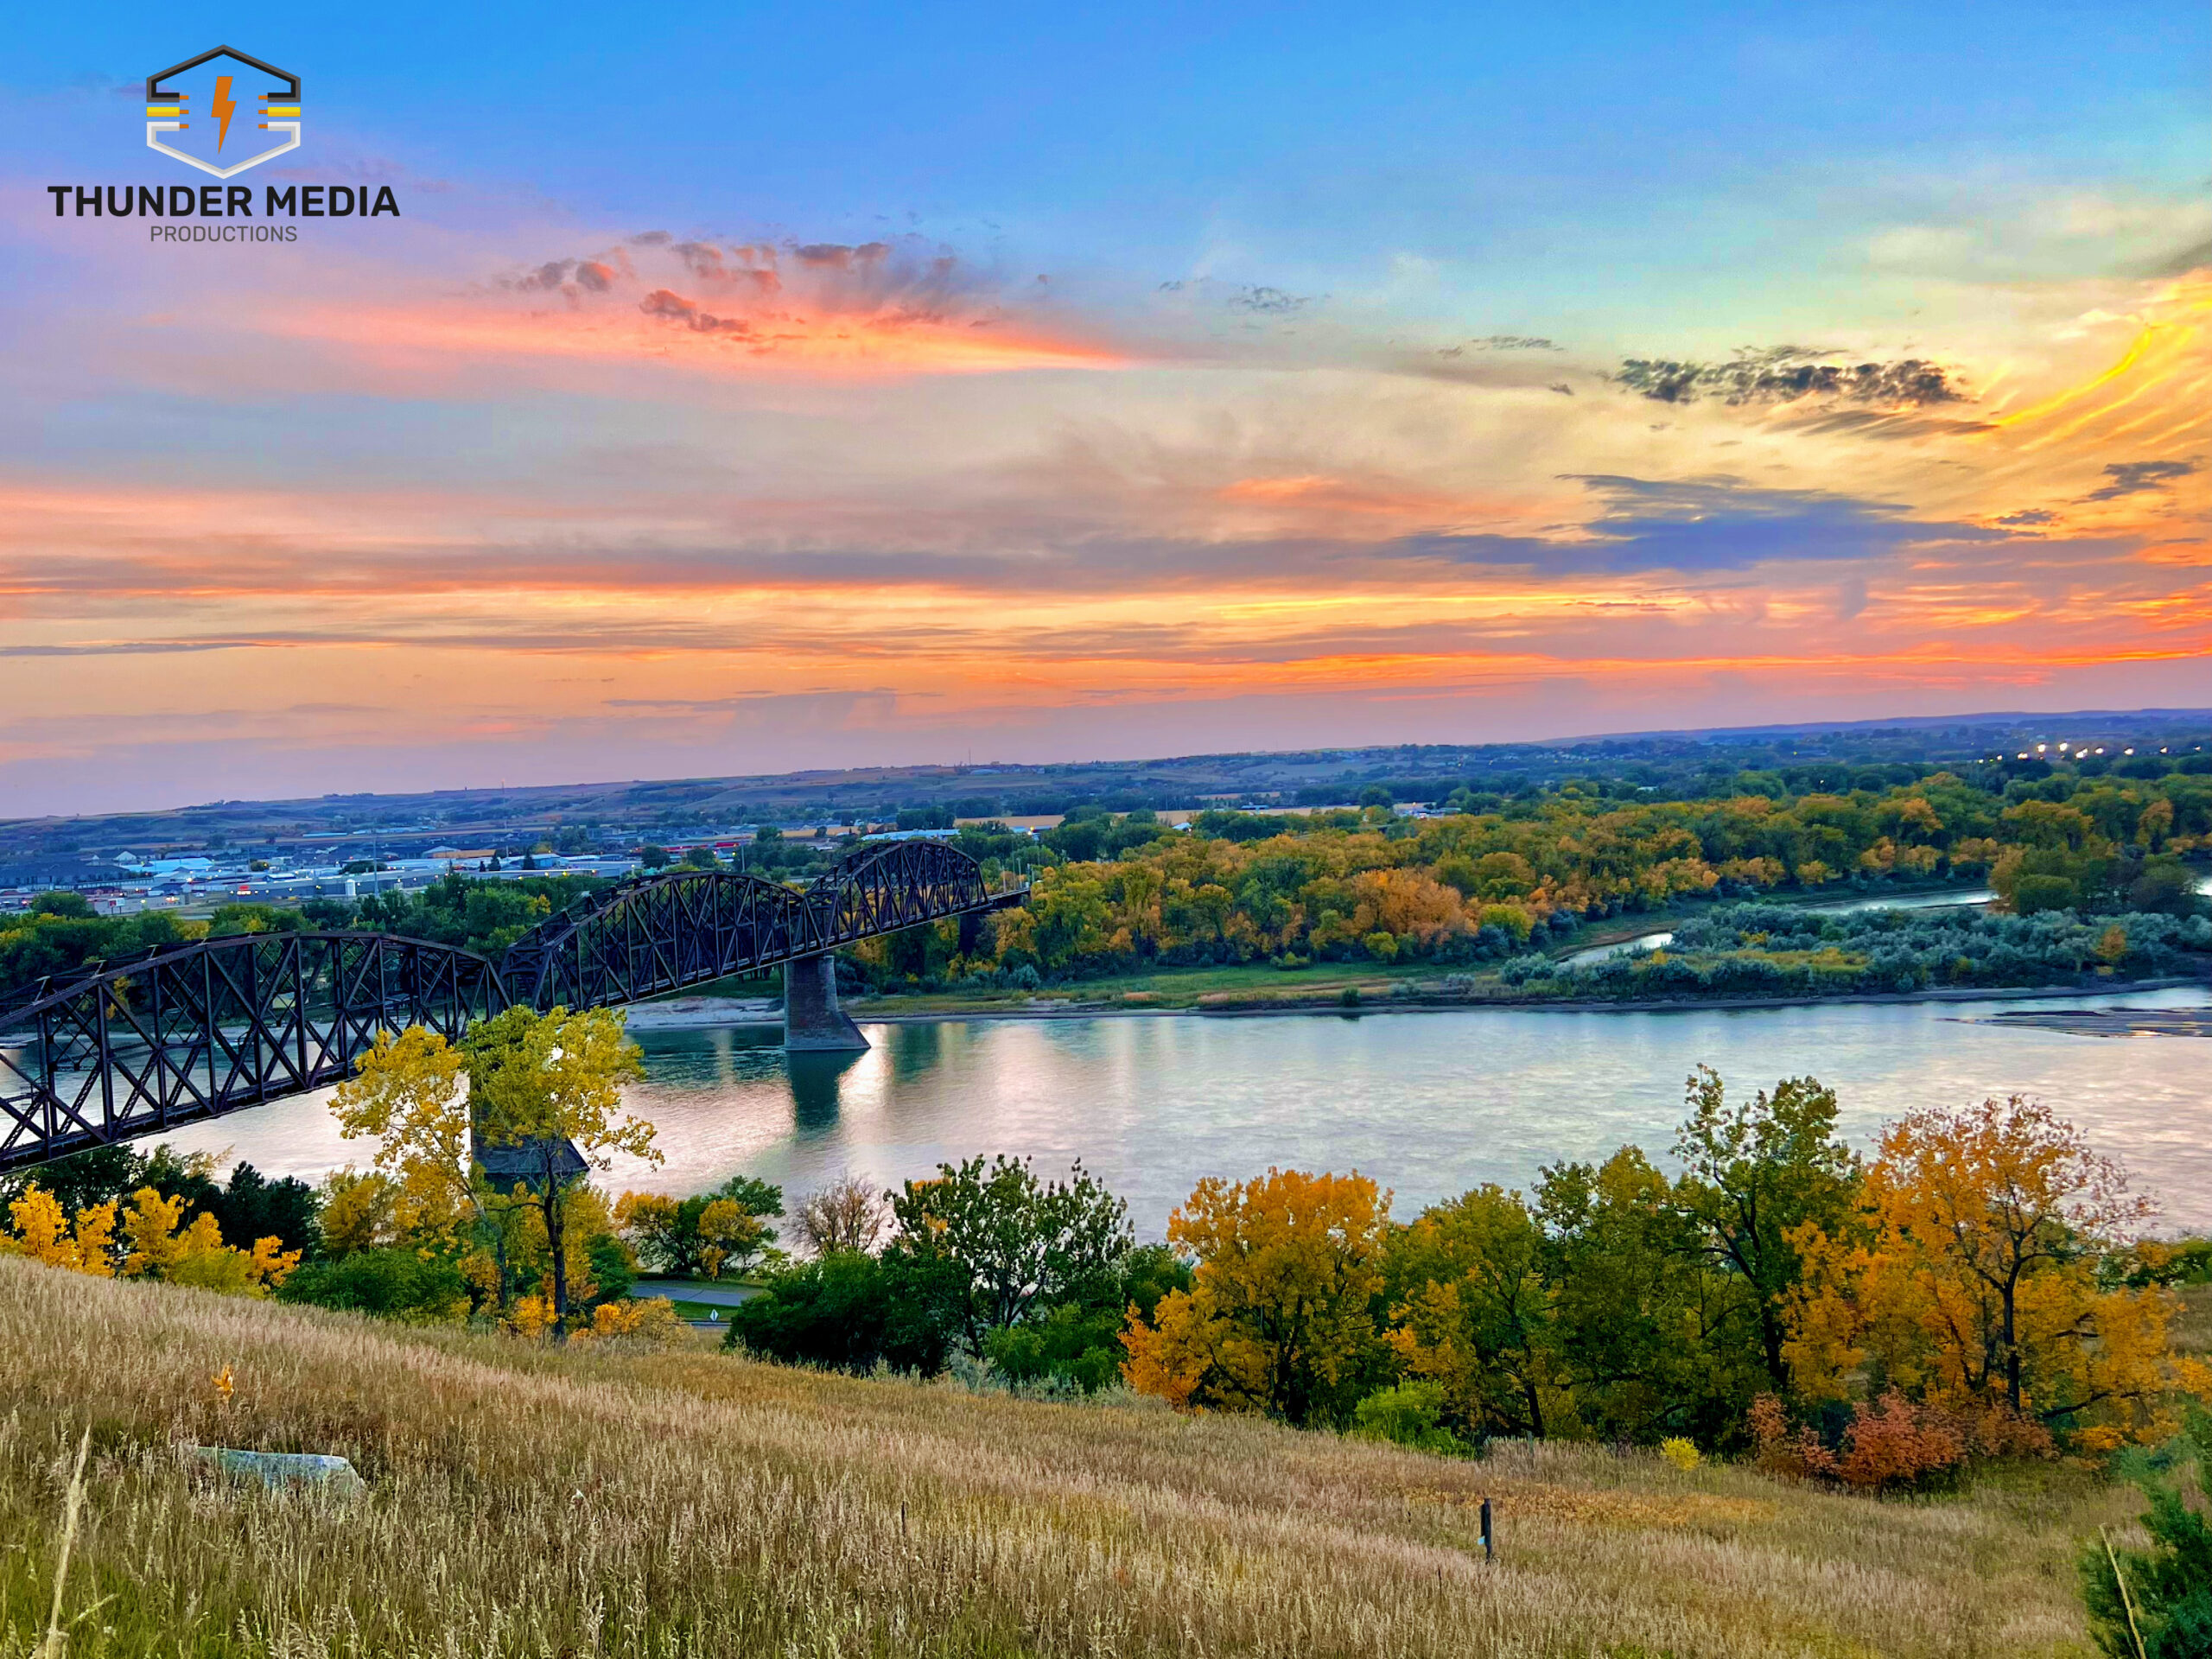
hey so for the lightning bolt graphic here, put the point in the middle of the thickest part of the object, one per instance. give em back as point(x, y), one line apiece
point(222, 107)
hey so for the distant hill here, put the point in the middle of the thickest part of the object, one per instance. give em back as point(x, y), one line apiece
point(583, 817)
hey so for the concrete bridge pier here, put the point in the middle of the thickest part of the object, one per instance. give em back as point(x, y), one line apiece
point(812, 1020)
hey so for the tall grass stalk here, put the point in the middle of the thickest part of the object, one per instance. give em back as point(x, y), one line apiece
point(56, 1637)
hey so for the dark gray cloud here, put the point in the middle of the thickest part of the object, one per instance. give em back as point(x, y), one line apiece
point(1782, 374)
point(2028, 517)
point(1885, 424)
point(2136, 477)
point(1265, 301)
point(1503, 343)
point(1708, 524)
point(2197, 258)
point(837, 256)
point(557, 276)
point(672, 306)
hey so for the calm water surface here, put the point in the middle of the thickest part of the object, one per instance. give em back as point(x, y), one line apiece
point(1429, 1103)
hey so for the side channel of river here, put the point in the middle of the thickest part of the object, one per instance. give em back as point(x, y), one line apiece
point(1429, 1103)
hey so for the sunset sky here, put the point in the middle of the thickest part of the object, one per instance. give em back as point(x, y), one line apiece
point(749, 389)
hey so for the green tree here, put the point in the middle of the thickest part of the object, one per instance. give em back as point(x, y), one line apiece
point(853, 1312)
point(1472, 1311)
point(1754, 1170)
point(543, 1084)
point(1644, 1327)
point(1022, 1242)
point(1078, 1344)
point(2164, 1609)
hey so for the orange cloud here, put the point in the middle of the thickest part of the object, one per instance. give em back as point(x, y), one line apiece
point(794, 343)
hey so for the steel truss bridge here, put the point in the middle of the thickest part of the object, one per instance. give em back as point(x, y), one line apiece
point(188, 1032)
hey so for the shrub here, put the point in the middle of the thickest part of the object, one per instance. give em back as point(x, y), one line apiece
point(851, 1312)
point(396, 1281)
point(1072, 1346)
point(1889, 1443)
point(1407, 1414)
point(2165, 1610)
point(1682, 1453)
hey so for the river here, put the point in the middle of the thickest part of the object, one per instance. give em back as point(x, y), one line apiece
point(1429, 1103)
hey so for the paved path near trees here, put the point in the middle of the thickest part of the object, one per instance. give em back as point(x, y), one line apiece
point(685, 1290)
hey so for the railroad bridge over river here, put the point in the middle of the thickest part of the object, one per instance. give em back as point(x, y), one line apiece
point(188, 1032)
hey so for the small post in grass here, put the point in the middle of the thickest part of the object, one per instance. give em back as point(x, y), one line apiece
point(1489, 1549)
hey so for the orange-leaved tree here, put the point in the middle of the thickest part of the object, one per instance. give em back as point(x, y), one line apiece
point(1969, 1281)
point(1277, 1319)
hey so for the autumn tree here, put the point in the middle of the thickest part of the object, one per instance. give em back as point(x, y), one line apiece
point(1472, 1311)
point(44, 1232)
point(1278, 1317)
point(407, 1090)
point(1021, 1242)
point(847, 1217)
point(1754, 1173)
point(549, 1088)
point(1972, 1282)
point(160, 1246)
point(356, 1212)
point(706, 1233)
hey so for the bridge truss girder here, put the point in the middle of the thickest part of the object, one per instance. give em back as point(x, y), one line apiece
point(193, 1032)
point(197, 1031)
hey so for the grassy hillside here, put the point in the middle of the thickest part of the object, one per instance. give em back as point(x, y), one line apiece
point(525, 1501)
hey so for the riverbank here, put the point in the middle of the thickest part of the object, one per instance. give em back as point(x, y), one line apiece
point(1376, 996)
point(1390, 1002)
point(699, 1012)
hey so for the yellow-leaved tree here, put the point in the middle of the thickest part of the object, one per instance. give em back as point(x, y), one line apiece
point(162, 1247)
point(408, 1091)
point(1968, 1280)
point(356, 1211)
point(546, 1088)
point(44, 1233)
point(1277, 1317)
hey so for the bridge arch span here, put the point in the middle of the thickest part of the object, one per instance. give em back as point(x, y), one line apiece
point(657, 933)
point(189, 1033)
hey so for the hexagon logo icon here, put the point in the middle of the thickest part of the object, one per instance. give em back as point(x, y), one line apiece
point(221, 97)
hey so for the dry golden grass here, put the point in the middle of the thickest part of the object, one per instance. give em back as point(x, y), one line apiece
point(527, 1501)
point(2192, 1330)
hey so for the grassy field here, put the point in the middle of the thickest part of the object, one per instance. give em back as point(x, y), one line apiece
point(523, 1501)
